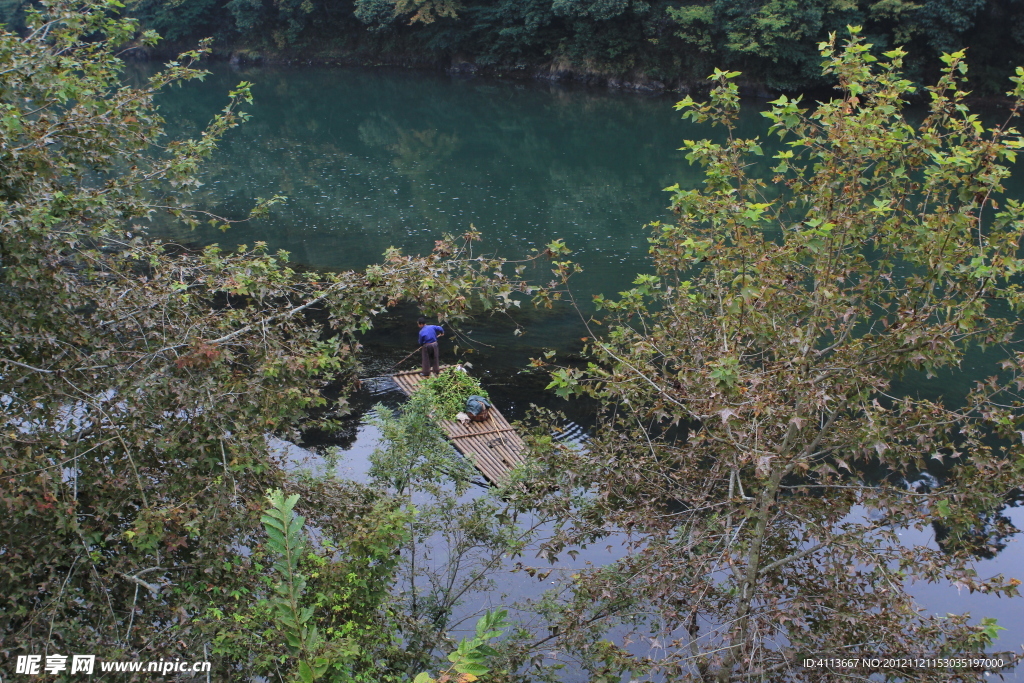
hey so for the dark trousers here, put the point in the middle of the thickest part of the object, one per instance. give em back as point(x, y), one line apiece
point(431, 358)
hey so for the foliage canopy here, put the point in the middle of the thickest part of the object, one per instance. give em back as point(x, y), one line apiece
point(756, 443)
point(140, 384)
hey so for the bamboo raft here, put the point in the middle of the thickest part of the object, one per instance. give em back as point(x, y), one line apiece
point(493, 446)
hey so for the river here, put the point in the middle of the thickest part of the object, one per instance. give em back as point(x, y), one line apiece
point(372, 158)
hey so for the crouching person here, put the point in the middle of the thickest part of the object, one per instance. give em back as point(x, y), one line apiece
point(478, 408)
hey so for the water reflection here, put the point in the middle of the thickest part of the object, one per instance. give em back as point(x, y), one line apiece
point(371, 159)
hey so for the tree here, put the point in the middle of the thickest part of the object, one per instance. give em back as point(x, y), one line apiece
point(381, 13)
point(139, 381)
point(756, 442)
point(601, 10)
point(427, 11)
point(773, 40)
point(474, 534)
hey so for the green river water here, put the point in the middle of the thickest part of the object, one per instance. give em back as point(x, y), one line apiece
point(375, 158)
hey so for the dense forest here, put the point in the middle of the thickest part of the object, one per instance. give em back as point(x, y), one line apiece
point(652, 44)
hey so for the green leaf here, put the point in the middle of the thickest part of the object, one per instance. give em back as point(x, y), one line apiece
point(471, 668)
point(991, 628)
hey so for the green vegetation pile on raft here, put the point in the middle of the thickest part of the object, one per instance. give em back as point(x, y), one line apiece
point(449, 391)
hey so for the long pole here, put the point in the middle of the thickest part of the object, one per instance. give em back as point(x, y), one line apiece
point(401, 361)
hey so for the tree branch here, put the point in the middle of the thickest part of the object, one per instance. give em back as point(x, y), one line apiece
point(277, 316)
point(152, 588)
point(791, 558)
point(27, 367)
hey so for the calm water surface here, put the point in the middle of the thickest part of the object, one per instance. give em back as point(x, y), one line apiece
point(373, 158)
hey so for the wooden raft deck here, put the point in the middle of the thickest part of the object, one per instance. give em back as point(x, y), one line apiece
point(492, 446)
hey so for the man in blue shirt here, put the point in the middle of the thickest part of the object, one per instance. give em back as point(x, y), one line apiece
point(428, 345)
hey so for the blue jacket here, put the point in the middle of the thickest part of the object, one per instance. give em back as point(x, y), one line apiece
point(428, 334)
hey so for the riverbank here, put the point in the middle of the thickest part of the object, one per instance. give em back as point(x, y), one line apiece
point(637, 46)
point(558, 70)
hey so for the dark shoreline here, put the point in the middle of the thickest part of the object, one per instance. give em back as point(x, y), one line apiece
point(556, 71)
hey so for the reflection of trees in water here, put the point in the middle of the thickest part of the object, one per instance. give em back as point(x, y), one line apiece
point(326, 186)
point(985, 536)
point(372, 159)
point(420, 157)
